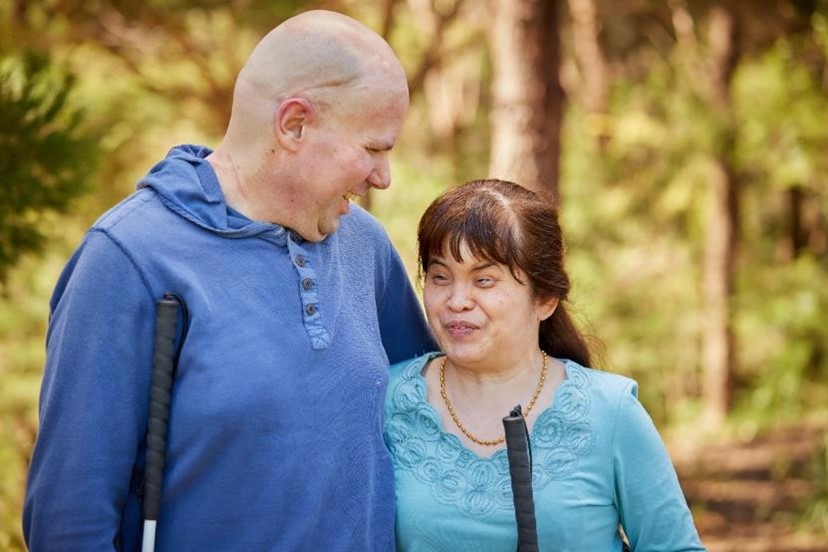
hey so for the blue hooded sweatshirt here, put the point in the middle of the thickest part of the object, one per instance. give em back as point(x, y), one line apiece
point(275, 436)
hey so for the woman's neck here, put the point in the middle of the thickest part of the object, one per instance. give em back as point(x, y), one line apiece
point(495, 374)
point(481, 398)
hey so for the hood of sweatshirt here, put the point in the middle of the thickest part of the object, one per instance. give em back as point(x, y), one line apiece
point(188, 186)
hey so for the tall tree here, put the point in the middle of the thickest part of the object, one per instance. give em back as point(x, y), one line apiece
point(718, 351)
point(528, 99)
point(45, 159)
point(707, 64)
point(592, 63)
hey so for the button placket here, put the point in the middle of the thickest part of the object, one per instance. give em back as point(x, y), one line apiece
point(320, 338)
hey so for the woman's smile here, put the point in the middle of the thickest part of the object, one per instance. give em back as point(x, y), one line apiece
point(460, 328)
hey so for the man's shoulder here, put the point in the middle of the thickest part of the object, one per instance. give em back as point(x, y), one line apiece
point(141, 221)
point(361, 236)
point(359, 221)
point(142, 208)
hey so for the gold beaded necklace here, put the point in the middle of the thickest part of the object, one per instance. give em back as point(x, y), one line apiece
point(462, 427)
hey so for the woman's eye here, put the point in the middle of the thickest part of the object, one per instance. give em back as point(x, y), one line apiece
point(485, 282)
point(439, 278)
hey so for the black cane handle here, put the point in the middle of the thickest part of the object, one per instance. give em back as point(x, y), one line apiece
point(163, 366)
point(519, 453)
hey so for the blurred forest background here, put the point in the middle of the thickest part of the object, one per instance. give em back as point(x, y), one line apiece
point(685, 142)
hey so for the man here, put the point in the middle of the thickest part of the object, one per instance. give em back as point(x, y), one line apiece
point(296, 303)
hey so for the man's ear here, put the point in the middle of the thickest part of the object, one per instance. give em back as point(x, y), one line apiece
point(290, 120)
point(546, 307)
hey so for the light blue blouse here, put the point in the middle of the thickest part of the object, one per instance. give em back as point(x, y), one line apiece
point(598, 462)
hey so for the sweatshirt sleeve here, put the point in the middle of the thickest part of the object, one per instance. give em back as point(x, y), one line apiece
point(404, 331)
point(652, 507)
point(93, 404)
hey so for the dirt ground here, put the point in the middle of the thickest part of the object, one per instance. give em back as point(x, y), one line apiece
point(754, 495)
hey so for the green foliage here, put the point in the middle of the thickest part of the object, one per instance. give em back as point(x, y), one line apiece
point(635, 210)
point(781, 323)
point(44, 159)
point(815, 515)
point(399, 208)
point(782, 305)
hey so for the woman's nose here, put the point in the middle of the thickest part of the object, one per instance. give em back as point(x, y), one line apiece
point(459, 298)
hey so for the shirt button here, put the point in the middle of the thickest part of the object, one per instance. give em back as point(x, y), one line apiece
point(300, 260)
point(310, 309)
point(307, 283)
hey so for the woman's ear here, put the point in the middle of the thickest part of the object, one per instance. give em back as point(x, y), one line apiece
point(290, 120)
point(546, 308)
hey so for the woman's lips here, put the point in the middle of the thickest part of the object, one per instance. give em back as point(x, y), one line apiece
point(460, 328)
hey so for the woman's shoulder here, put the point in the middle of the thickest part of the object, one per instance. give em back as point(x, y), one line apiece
point(406, 386)
point(602, 385)
point(407, 369)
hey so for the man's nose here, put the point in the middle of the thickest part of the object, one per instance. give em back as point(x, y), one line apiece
point(380, 177)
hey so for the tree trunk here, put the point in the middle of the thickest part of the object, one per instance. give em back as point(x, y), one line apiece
point(796, 238)
point(722, 238)
point(592, 65)
point(718, 347)
point(590, 55)
point(528, 98)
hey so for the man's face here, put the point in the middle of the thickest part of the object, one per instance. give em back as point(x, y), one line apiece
point(347, 154)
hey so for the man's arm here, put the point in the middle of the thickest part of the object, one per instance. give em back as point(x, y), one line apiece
point(93, 402)
point(405, 333)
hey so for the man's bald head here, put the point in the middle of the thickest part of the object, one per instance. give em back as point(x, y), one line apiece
point(316, 110)
point(321, 56)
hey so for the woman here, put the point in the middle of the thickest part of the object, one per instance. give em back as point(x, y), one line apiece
point(491, 253)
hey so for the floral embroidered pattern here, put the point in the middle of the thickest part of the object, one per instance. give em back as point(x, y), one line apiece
point(477, 486)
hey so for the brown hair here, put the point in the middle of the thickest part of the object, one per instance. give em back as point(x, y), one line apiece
point(502, 222)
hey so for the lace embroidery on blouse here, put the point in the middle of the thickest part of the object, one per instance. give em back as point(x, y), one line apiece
point(477, 486)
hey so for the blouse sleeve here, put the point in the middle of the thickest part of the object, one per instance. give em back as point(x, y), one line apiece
point(652, 507)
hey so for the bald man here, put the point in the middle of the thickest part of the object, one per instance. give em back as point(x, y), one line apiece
point(296, 303)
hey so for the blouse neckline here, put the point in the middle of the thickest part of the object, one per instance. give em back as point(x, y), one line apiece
point(414, 371)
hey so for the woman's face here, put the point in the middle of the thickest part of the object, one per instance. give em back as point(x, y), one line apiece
point(479, 313)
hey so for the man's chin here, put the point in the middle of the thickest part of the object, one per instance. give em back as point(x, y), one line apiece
point(314, 234)
point(325, 230)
